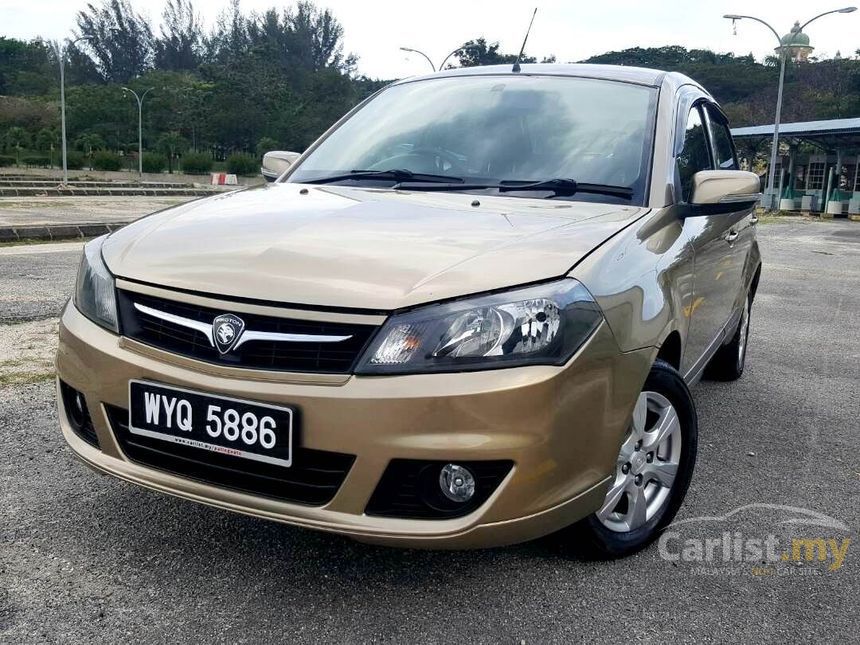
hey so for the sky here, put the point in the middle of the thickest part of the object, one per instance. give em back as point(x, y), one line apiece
point(570, 29)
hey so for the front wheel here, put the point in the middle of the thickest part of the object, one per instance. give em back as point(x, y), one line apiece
point(652, 472)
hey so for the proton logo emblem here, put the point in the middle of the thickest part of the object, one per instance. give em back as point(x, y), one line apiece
point(226, 331)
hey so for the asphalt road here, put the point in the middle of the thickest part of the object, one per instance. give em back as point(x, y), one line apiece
point(89, 558)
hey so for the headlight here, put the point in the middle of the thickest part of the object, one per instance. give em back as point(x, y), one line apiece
point(94, 293)
point(541, 325)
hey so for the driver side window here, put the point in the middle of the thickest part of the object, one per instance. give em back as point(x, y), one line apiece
point(695, 155)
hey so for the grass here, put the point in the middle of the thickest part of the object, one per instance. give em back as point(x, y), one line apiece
point(31, 242)
point(25, 378)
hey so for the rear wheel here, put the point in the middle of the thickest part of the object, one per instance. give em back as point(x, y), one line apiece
point(652, 472)
point(728, 363)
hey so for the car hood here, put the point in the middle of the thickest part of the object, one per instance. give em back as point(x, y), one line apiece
point(336, 246)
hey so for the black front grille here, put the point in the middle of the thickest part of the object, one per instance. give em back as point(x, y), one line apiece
point(78, 414)
point(333, 358)
point(313, 479)
point(409, 488)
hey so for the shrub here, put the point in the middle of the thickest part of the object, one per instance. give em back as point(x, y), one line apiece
point(153, 162)
point(266, 144)
point(103, 160)
point(74, 160)
point(196, 163)
point(6, 161)
point(241, 164)
point(36, 160)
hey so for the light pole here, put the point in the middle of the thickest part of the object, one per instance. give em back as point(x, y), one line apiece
point(444, 60)
point(139, 126)
point(418, 51)
point(796, 44)
point(61, 57)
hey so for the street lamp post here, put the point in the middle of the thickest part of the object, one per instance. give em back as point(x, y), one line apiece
point(418, 51)
point(444, 60)
point(139, 126)
point(61, 57)
point(795, 44)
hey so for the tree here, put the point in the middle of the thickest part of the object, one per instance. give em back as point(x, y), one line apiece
point(119, 40)
point(17, 138)
point(179, 46)
point(171, 143)
point(88, 143)
point(266, 144)
point(47, 139)
point(479, 52)
point(25, 67)
point(229, 39)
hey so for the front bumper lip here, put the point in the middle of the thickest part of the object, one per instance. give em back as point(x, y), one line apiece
point(560, 426)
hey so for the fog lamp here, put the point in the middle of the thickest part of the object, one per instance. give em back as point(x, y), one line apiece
point(457, 483)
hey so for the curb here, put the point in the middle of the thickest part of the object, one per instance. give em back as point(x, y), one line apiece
point(7, 191)
point(53, 232)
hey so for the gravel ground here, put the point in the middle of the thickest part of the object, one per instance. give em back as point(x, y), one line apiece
point(89, 558)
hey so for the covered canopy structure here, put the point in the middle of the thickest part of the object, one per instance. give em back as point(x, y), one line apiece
point(821, 176)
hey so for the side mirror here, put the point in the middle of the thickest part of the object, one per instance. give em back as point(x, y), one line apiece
point(276, 162)
point(723, 191)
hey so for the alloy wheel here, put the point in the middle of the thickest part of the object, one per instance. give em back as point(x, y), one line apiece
point(646, 467)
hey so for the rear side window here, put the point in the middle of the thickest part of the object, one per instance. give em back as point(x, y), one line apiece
point(724, 151)
point(694, 156)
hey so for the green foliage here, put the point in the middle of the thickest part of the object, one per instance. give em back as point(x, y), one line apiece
point(39, 161)
point(196, 163)
point(47, 138)
point(154, 162)
point(31, 114)
point(26, 68)
point(104, 160)
point(266, 144)
point(277, 78)
point(17, 138)
point(6, 160)
point(242, 164)
point(90, 143)
point(74, 160)
point(747, 89)
point(119, 41)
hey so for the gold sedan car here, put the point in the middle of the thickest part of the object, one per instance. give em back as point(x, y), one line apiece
point(468, 315)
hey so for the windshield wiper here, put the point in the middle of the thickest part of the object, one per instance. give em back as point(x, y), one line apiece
point(558, 186)
point(395, 174)
point(563, 186)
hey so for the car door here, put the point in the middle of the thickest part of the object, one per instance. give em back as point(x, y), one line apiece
point(716, 277)
point(744, 219)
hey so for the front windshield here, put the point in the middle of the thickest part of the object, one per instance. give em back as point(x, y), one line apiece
point(491, 129)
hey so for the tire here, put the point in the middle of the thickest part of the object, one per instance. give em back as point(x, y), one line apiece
point(619, 528)
point(728, 363)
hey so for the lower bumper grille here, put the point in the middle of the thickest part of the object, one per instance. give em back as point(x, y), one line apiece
point(78, 414)
point(313, 479)
point(409, 488)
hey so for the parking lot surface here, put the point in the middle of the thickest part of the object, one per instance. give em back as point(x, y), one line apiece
point(90, 558)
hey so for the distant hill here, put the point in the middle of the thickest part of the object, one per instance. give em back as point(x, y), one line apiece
point(746, 89)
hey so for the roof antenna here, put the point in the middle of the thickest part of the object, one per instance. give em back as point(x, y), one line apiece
point(516, 67)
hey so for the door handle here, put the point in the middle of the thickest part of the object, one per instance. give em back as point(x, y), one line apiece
point(731, 236)
point(754, 220)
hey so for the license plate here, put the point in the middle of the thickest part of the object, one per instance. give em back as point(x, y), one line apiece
point(221, 424)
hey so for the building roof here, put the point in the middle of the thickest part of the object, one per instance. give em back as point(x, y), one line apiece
point(802, 129)
point(828, 135)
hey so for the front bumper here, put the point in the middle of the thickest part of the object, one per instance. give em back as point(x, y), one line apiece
point(561, 426)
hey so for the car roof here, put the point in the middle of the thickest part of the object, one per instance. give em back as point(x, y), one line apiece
point(623, 73)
